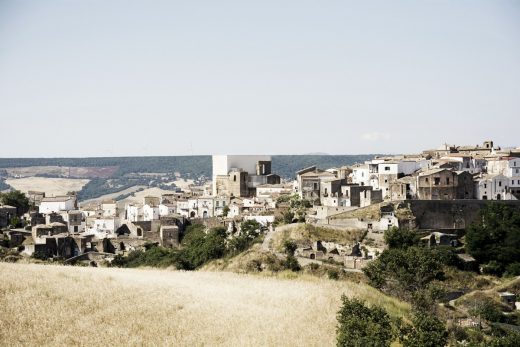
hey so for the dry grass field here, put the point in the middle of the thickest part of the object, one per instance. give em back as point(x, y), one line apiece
point(51, 186)
point(54, 305)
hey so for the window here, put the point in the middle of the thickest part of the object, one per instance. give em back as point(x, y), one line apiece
point(234, 178)
point(447, 180)
point(437, 181)
point(427, 180)
point(387, 168)
point(500, 184)
point(485, 185)
point(315, 186)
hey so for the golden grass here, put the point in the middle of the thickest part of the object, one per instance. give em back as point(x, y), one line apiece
point(54, 305)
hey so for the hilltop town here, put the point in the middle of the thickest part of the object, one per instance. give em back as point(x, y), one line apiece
point(373, 196)
point(437, 231)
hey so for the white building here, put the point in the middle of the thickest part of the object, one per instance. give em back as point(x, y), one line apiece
point(134, 213)
point(109, 208)
point(102, 226)
point(183, 208)
point(167, 209)
point(492, 187)
point(150, 212)
point(57, 204)
point(222, 165)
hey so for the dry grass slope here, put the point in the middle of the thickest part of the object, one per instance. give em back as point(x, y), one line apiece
point(52, 305)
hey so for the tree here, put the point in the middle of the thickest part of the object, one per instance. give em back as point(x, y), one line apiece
point(359, 325)
point(495, 236)
point(400, 238)
point(405, 271)
point(16, 199)
point(288, 217)
point(427, 331)
point(225, 211)
point(289, 247)
point(250, 229)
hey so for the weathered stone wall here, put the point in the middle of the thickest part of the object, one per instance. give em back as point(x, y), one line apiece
point(449, 214)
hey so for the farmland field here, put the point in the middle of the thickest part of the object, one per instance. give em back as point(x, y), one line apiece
point(51, 186)
point(56, 305)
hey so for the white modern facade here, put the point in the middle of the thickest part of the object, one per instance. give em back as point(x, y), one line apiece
point(222, 165)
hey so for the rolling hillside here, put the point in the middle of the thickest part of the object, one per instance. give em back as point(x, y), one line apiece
point(46, 305)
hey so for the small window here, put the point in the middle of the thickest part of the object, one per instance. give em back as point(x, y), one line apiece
point(437, 181)
point(447, 180)
point(427, 180)
point(234, 178)
point(387, 168)
point(500, 184)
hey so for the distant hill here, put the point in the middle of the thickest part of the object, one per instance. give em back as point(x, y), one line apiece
point(194, 166)
point(117, 174)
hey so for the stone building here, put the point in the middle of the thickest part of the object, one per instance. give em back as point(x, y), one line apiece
point(444, 184)
point(239, 176)
point(169, 236)
point(6, 214)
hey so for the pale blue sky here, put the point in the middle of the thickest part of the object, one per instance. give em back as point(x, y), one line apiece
point(109, 78)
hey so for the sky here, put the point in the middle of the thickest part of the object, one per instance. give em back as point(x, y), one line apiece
point(150, 77)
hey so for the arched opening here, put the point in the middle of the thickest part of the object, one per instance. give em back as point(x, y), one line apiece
point(192, 214)
point(313, 256)
point(205, 214)
point(498, 197)
point(139, 232)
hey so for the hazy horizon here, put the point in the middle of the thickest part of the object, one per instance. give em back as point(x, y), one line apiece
point(169, 78)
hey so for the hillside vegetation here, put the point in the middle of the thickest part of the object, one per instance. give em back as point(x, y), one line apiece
point(55, 305)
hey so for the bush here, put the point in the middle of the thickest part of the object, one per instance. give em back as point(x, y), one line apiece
point(405, 271)
point(288, 217)
point(333, 274)
point(495, 236)
point(291, 263)
point(513, 269)
point(493, 268)
point(16, 199)
point(289, 247)
point(427, 331)
point(400, 238)
point(487, 309)
point(362, 326)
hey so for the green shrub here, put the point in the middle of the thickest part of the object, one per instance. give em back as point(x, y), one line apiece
point(291, 263)
point(513, 269)
point(333, 274)
point(362, 326)
point(400, 238)
point(427, 331)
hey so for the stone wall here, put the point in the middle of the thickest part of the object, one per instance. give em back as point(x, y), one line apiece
point(449, 214)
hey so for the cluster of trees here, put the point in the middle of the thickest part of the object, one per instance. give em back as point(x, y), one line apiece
point(16, 199)
point(415, 273)
point(360, 325)
point(494, 240)
point(197, 248)
point(409, 271)
point(297, 208)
